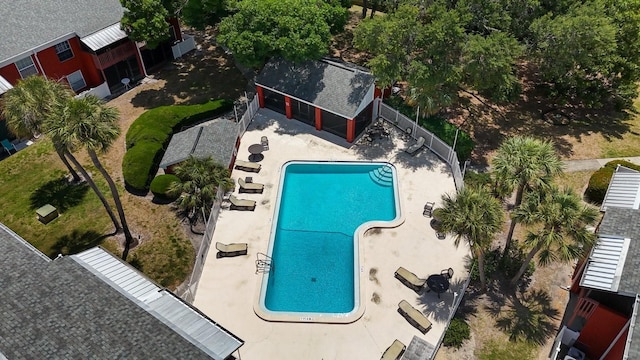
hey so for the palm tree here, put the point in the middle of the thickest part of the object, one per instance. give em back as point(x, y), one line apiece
point(200, 179)
point(27, 106)
point(523, 163)
point(475, 216)
point(88, 122)
point(563, 219)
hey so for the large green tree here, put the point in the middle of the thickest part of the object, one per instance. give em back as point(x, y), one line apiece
point(489, 65)
point(577, 54)
point(146, 20)
point(562, 232)
point(475, 216)
point(199, 182)
point(87, 122)
point(203, 13)
point(523, 163)
point(427, 45)
point(28, 105)
point(296, 30)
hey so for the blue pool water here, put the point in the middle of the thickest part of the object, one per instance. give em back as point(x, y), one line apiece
point(315, 257)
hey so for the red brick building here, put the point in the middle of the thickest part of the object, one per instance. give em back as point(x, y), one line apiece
point(601, 320)
point(79, 42)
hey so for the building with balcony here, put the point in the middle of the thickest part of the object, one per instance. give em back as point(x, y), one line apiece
point(79, 42)
point(601, 319)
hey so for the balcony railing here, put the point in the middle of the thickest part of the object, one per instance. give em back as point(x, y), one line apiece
point(114, 56)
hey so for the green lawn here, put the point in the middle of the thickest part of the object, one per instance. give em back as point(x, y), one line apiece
point(35, 176)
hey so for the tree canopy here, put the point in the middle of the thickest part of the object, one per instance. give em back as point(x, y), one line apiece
point(586, 53)
point(297, 30)
point(146, 20)
point(431, 49)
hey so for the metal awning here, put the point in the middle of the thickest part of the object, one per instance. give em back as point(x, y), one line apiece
point(624, 190)
point(605, 263)
point(180, 316)
point(104, 37)
point(4, 85)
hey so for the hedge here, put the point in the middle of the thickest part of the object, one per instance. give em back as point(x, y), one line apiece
point(457, 333)
point(160, 186)
point(440, 127)
point(149, 135)
point(599, 181)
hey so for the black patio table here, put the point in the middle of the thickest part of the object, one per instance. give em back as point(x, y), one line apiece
point(256, 152)
point(438, 283)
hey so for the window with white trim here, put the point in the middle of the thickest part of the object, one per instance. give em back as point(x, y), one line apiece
point(63, 50)
point(26, 67)
point(76, 81)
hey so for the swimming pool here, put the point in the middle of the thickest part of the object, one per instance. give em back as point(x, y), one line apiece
point(321, 211)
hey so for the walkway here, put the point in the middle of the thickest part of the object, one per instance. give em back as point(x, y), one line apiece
point(594, 164)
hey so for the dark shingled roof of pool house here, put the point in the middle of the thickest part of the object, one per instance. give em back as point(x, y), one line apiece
point(328, 94)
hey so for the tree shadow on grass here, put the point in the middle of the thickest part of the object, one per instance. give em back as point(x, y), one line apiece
point(529, 316)
point(60, 193)
point(77, 241)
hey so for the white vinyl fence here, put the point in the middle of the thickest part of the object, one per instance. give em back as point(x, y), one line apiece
point(187, 44)
point(439, 147)
point(189, 293)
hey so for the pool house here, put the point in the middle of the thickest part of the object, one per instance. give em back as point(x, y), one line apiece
point(329, 95)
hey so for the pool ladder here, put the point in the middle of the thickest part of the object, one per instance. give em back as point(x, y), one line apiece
point(264, 263)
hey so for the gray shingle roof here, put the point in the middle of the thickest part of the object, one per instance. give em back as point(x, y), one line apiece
point(216, 138)
point(336, 87)
point(625, 223)
point(59, 310)
point(31, 23)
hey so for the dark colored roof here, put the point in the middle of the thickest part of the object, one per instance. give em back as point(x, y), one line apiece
point(625, 223)
point(336, 87)
point(216, 138)
point(32, 23)
point(59, 309)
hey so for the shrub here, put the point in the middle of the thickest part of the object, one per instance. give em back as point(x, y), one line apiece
point(440, 127)
point(599, 181)
point(494, 263)
point(160, 186)
point(457, 333)
point(476, 179)
point(149, 135)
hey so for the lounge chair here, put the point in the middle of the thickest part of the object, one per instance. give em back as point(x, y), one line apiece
point(241, 204)
point(251, 187)
point(248, 166)
point(411, 150)
point(225, 250)
point(8, 146)
point(410, 279)
point(265, 142)
point(394, 351)
point(414, 316)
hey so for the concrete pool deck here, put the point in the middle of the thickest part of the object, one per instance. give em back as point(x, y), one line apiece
point(228, 288)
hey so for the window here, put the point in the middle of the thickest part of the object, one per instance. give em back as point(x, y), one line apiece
point(26, 67)
point(76, 81)
point(63, 50)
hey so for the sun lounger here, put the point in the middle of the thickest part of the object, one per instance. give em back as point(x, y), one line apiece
point(241, 204)
point(8, 146)
point(251, 187)
point(225, 250)
point(410, 279)
point(394, 351)
point(414, 316)
point(411, 150)
point(247, 166)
